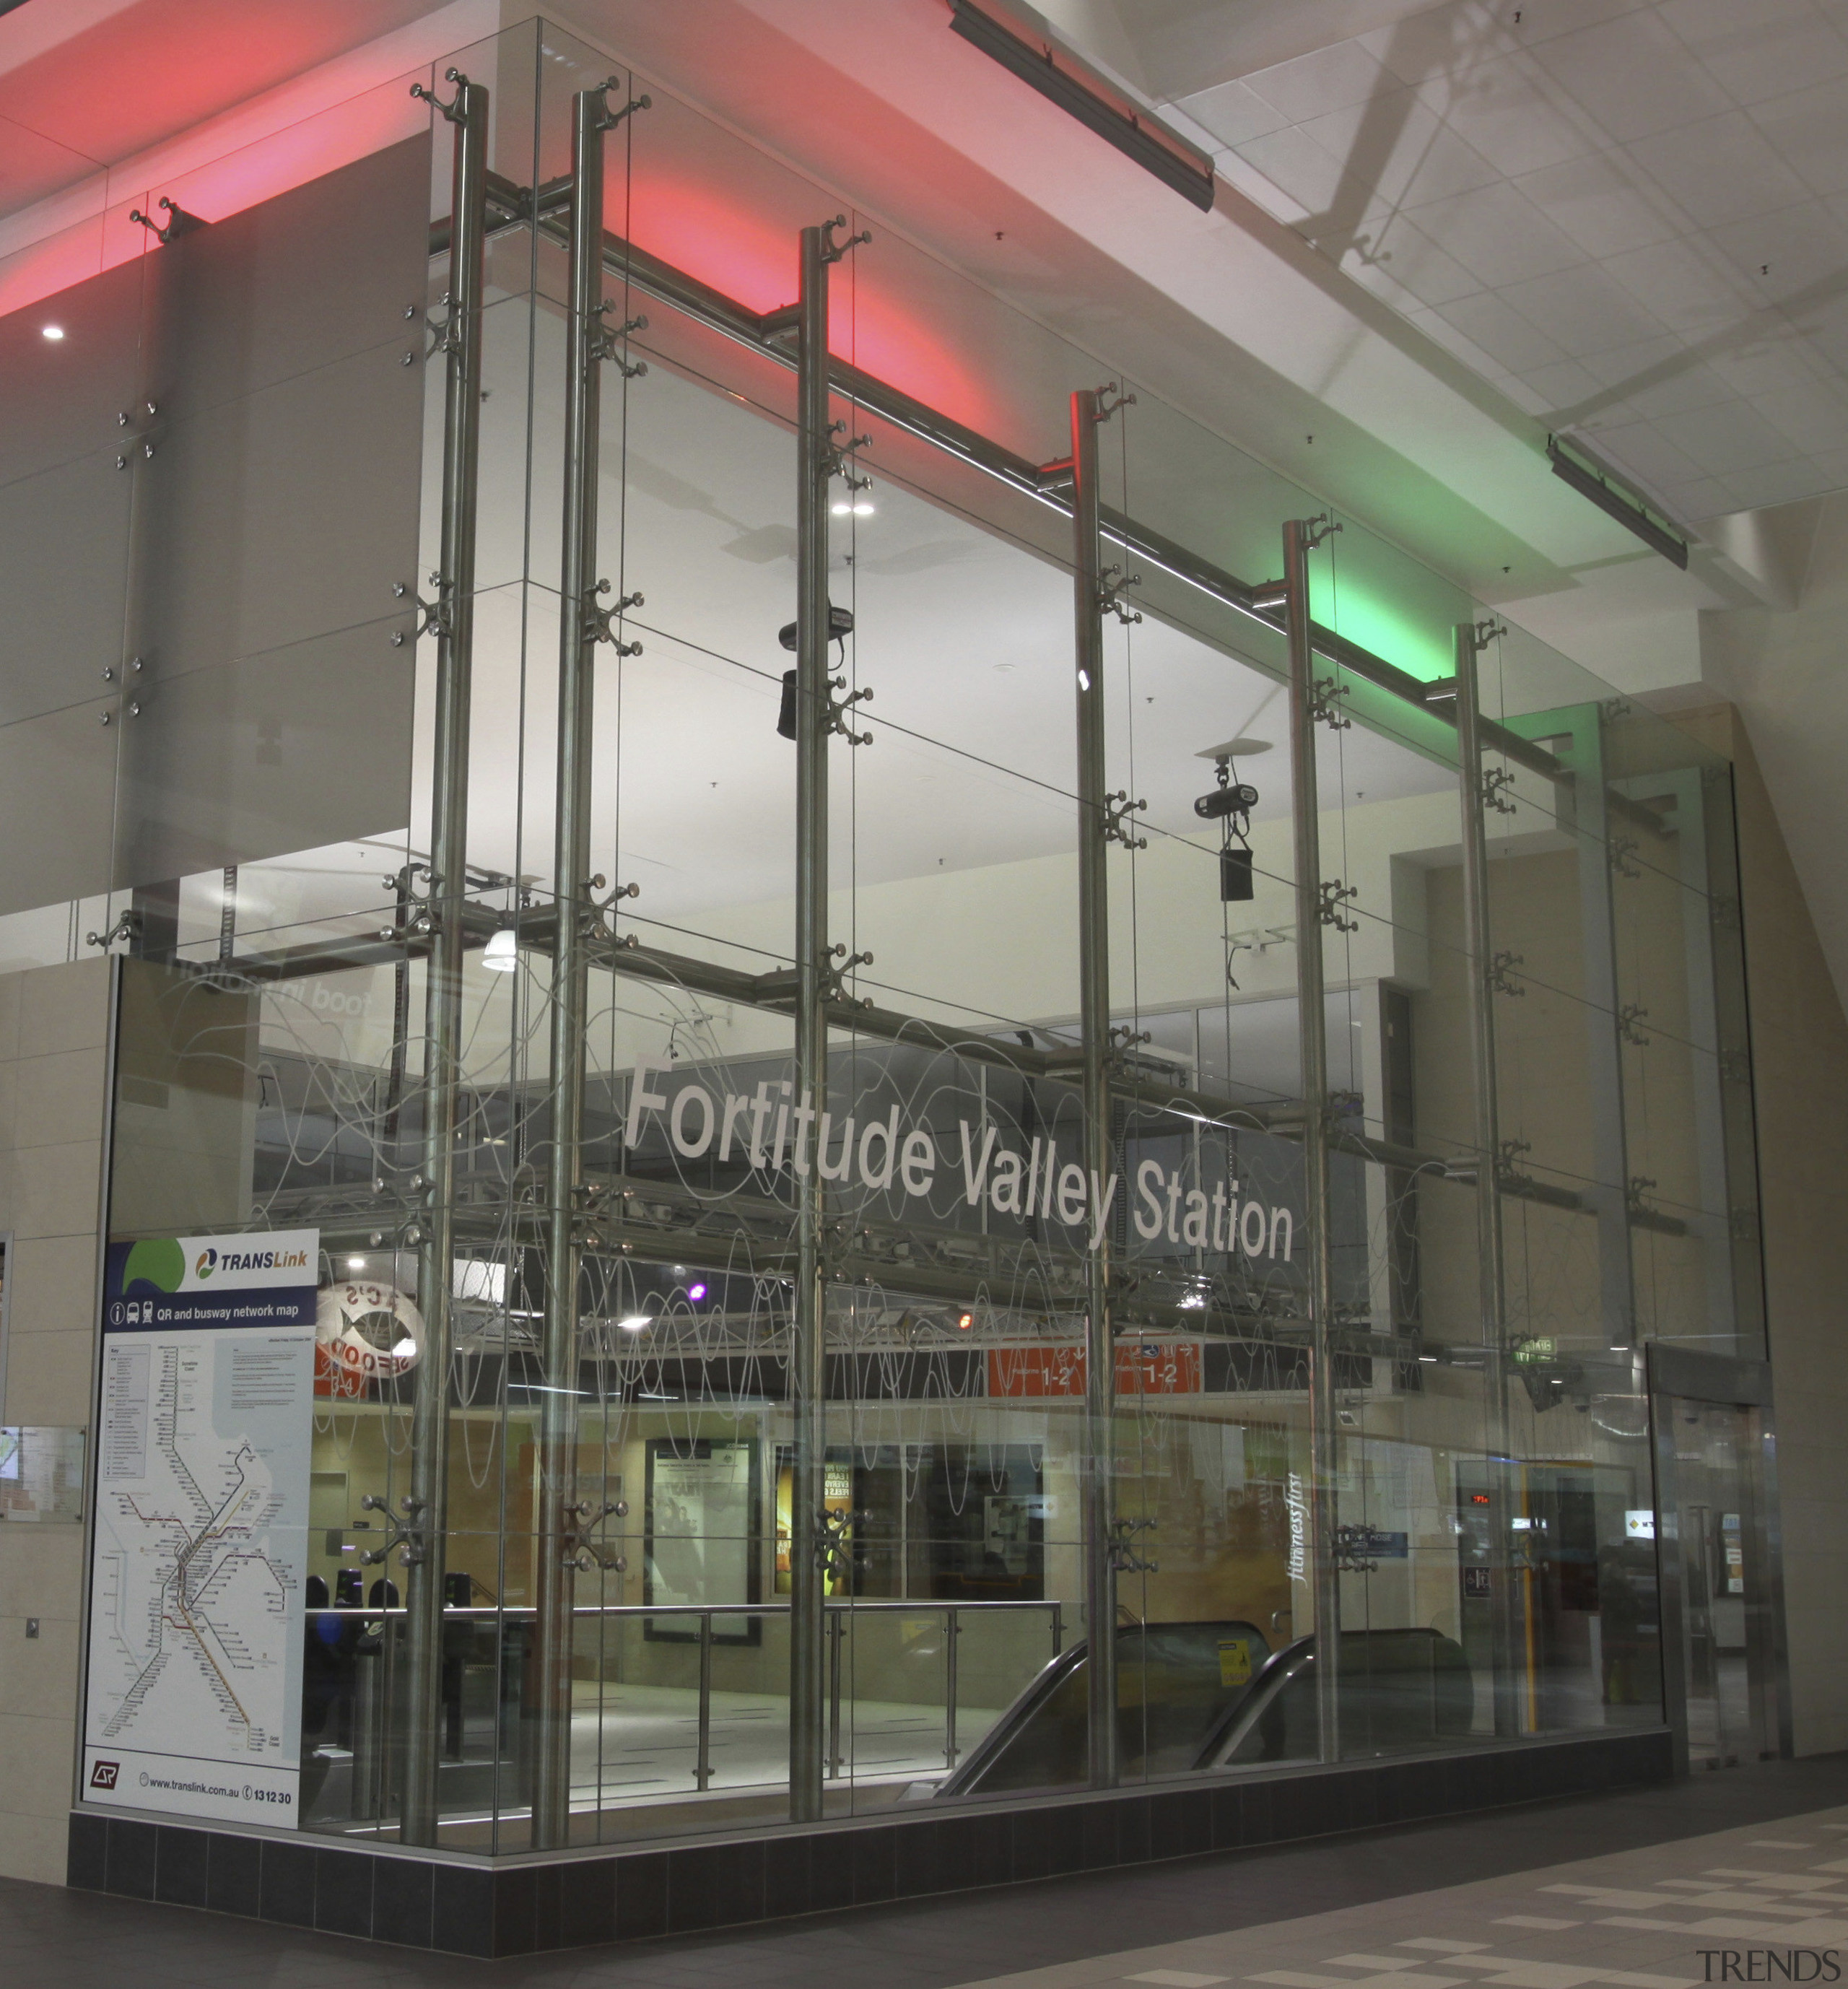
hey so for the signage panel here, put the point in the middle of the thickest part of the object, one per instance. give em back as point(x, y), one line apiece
point(203, 1426)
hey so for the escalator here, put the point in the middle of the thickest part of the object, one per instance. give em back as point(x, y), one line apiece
point(1175, 1683)
point(1197, 1696)
point(1399, 1689)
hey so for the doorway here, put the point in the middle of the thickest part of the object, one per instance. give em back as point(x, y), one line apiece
point(1717, 1550)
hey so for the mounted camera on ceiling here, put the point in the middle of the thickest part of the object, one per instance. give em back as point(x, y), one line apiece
point(840, 626)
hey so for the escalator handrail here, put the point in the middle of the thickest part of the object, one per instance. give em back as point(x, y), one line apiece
point(1274, 1676)
point(968, 1771)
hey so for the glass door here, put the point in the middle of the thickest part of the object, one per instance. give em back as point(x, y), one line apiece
point(1718, 1553)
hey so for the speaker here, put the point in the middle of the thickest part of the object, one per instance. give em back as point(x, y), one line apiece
point(1235, 881)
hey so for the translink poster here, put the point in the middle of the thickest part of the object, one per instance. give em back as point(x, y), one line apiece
point(196, 1604)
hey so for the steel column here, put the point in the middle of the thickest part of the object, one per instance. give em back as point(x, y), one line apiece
point(1606, 1024)
point(1300, 537)
point(453, 620)
point(815, 463)
point(1509, 1643)
point(1094, 1008)
point(548, 1699)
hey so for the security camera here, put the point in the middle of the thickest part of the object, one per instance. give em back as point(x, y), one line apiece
point(1239, 798)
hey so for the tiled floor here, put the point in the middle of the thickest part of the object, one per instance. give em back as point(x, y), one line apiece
point(1732, 1859)
point(1638, 1919)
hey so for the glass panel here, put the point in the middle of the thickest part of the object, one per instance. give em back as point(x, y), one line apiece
point(269, 839)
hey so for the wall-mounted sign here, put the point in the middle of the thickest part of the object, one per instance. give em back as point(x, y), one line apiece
point(367, 1332)
point(202, 1516)
point(1143, 1367)
point(771, 1131)
point(264, 1279)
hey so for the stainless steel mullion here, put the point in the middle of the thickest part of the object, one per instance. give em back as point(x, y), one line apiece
point(1508, 1640)
point(952, 1630)
point(1094, 1003)
point(427, 1511)
point(1298, 539)
point(555, 1579)
point(702, 1772)
point(808, 1351)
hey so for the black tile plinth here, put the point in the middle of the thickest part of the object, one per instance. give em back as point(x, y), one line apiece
point(492, 1909)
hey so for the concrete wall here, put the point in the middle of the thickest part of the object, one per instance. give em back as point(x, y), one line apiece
point(54, 1024)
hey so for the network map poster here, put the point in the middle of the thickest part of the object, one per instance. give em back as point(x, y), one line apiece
point(196, 1604)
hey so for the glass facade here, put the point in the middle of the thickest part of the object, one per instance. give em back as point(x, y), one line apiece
point(986, 1106)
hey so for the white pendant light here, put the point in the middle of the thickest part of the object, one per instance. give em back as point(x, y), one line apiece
point(501, 955)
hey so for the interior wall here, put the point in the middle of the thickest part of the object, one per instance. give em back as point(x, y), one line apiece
point(54, 1034)
point(1799, 1037)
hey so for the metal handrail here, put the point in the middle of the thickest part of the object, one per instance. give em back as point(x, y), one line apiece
point(837, 1616)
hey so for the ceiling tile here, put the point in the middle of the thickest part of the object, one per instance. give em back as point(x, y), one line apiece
point(1376, 278)
point(1511, 342)
point(1619, 365)
point(1721, 169)
point(1757, 51)
point(1701, 498)
point(1809, 129)
point(1831, 467)
point(1812, 418)
point(1676, 389)
point(1514, 114)
point(1640, 448)
point(1561, 388)
point(1395, 144)
point(1441, 332)
point(1775, 365)
point(1584, 310)
point(1413, 259)
point(1725, 439)
point(1291, 159)
point(1776, 483)
point(1447, 41)
point(1633, 75)
point(1325, 79)
point(1689, 286)
point(1498, 234)
point(1787, 257)
point(1604, 204)
point(1232, 113)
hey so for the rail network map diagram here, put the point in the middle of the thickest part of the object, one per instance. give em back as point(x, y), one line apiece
point(202, 1475)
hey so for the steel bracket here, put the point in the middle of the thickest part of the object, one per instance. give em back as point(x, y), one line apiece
point(1117, 809)
point(1335, 894)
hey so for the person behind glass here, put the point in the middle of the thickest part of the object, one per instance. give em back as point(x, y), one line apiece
point(326, 1683)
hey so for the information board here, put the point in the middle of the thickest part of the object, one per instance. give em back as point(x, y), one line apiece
point(193, 1701)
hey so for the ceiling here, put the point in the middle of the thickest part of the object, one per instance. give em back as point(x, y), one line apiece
point(85, 84)
point(1632, 218)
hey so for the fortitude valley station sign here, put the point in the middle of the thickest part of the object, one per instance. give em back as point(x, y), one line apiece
point(770, 1130)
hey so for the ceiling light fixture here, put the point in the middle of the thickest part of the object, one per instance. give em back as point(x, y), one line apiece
point(501, 954)
point(637, 1322)
point(1096, 103)
point(1590, 479)
point(54, 332)
point(696, 1293)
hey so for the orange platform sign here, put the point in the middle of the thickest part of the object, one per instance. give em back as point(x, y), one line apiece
point(1143, 1367)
